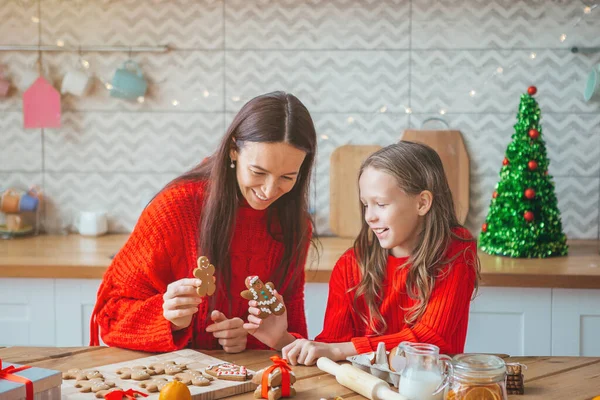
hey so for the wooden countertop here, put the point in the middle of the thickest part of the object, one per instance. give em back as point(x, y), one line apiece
point(79, 257)
point(548, 378)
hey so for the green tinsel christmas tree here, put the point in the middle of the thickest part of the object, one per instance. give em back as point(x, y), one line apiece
point(524, 220)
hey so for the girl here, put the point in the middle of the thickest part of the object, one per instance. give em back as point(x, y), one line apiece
point(245, 208)
point(413, 268)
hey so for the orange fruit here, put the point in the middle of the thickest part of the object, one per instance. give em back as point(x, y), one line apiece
point(490, 392)
point(175, 390)
point(596, 398)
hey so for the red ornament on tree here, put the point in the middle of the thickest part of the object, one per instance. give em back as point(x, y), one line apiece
point(534, 134)
point(532, 165)
point(528, 215)
point(530, 193)
point(531, 90)
point(495, 194)
point(546, 172)
point(484, 228)
point(505, 161)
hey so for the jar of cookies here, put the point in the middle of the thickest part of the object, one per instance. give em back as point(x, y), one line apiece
point(477, 376)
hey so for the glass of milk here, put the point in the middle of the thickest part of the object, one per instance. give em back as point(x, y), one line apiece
point(426, 372)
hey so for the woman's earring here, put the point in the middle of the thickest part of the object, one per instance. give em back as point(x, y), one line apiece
point(232, 165)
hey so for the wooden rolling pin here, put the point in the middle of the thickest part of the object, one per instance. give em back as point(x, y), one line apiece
point(358, 380)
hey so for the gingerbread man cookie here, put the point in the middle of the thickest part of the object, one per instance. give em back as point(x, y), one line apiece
point(93, 385)
point(264, 296)
point(192, 378)
point(135, 373)
point(167, 367)
point(81, 375)
point(228, 372)
point(205, 272)
point(154, 385)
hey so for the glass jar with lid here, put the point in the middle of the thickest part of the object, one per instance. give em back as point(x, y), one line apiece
point(477, 377)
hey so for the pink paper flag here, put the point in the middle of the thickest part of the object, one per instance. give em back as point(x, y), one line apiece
point(41, 105)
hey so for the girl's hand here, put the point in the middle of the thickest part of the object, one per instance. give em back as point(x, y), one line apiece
point(180, 302)
point(307, 352)
point(230, 332)
point(271, 331)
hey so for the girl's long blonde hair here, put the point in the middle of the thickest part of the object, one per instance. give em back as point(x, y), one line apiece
point(416, 167)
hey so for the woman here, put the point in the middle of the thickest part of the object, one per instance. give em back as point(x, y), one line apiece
point(245, 208)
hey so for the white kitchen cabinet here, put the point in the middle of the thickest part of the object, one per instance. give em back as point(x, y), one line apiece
point(514, 321)
point(75, 299)
point(27, 312)
point(575, 322)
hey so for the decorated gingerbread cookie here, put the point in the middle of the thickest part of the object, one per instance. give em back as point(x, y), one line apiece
point(205, 272)
point(264, 296)
point(228, 371)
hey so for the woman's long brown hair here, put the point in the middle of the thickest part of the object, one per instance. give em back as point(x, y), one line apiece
point(276, 117)
point(415, 167)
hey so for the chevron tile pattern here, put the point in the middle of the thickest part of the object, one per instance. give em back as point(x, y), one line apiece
point(334, 130)
point(578, 204)
point(357, 81)
point(470, 81)
point(339, 24)
point(177, 80)
point(357, 65)
point(20, 22)
point(502, 24)
point(131, 142)
point(19, 70)
point(123, 196)
point(20, 180)
point(21, 150)
point(572, 140)
point(188, 24)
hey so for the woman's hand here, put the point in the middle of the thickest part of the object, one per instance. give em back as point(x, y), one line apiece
point(307, 352)
point(180, 302)
point(271, 331)
point(230, 332)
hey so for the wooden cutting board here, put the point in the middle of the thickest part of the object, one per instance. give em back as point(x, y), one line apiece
point(344, 209)
point(451, 149)
point(193, 359)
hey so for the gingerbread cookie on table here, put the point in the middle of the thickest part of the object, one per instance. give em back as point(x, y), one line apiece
point(140, 373)
point(205, 272)
point(93, 385)
point(264, 294)
point(81, 375)
point(167, 367)
point(191, 377)
point(228, 371)
point(154, 385)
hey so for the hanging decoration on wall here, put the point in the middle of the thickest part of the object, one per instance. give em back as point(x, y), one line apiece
point(41, 105)
point(524, 220)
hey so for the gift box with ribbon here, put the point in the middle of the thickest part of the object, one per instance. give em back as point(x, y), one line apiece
point(22, 382)
point(275, 381)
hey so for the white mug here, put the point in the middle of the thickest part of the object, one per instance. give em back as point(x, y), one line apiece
point(75, 82)
point(91, 223)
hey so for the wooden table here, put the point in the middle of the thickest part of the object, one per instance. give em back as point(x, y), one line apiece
point(78, 257)
point(548, 378)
